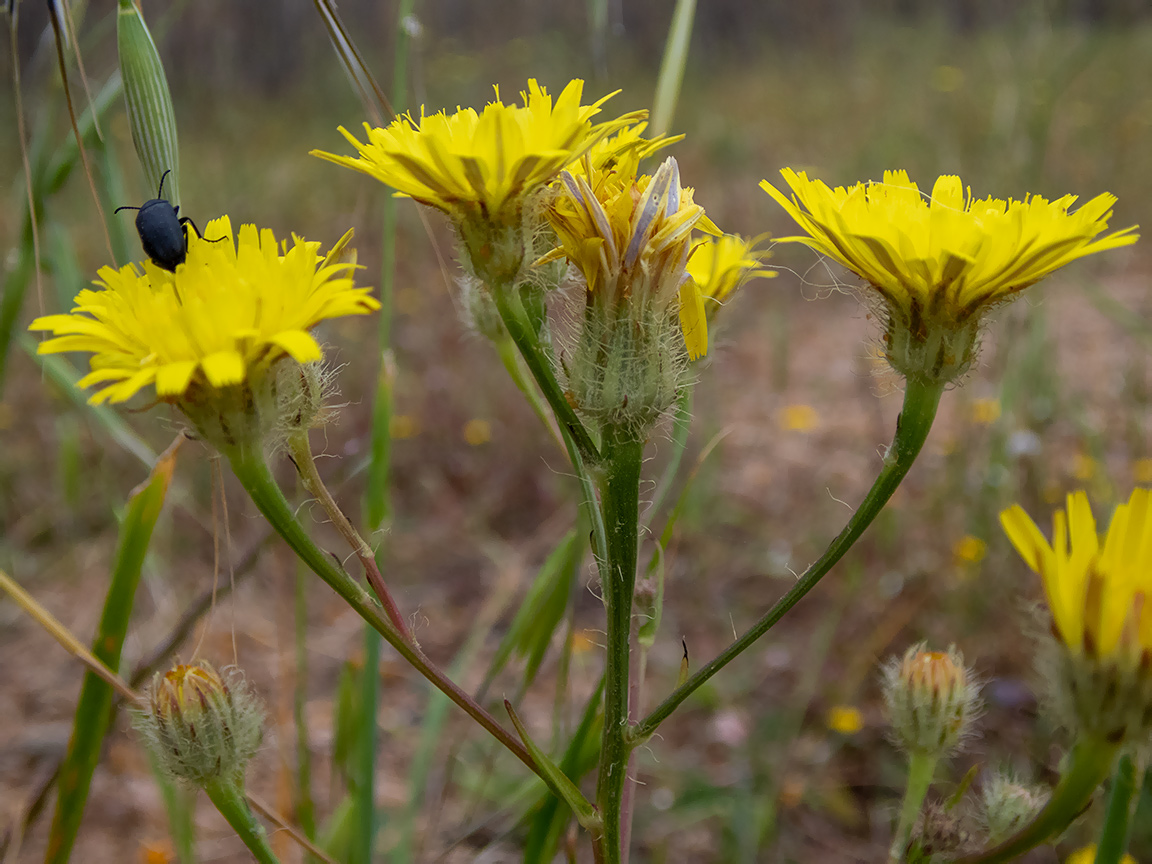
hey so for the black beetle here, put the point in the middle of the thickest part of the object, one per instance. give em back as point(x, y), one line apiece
point(162, 229)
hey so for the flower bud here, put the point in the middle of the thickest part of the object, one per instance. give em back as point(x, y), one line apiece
point(940, 834)
point(201, 728)
point(1006, 806)
point(150, 112)
point(931, 700)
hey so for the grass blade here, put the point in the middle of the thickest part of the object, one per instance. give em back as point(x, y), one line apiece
point(94, 710)
point(672, 67)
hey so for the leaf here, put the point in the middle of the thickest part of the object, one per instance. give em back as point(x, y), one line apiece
point(558, 782)
point(94, 709)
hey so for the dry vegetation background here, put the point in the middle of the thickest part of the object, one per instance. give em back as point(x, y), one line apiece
point(1047, 98)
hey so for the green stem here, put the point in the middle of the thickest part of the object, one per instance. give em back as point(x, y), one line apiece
point(365, 785)
point(1089, 763)
point(229, 799)
point(304, 806)
point(515, 319)
point(1114, 837)
point(921, 768)
point(301, 450)
point(920, 403)
point(252, 471)
point(620, 502)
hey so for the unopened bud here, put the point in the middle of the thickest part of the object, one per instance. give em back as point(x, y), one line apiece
point(1007, 805)
point(931, 700)
point(150, 112)
point(201, 728)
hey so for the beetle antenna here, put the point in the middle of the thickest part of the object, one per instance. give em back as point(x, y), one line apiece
point(163, 177)
point(125, 207)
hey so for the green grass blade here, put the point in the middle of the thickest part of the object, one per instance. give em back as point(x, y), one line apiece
point(672, 67)
point(64, 375)
point(531, 629)
point(94, 711)
point(180, 804)
point(49, 175)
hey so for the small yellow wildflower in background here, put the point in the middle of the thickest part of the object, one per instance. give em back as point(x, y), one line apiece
point(1142, 471)
point(404, 426)
point(721, 265)
point(985, 412)
point(1087, 855)
point(799, 418)
point(1097, 594)
point(947, 79)
point(845, 719)
point(235, 307)
point(940, 264)
point(477, 432)
point(969, 550)
point(1084, 467)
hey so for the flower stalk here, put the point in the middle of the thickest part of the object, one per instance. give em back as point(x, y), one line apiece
point(921, 400)
point(619, 500)
point(515, 319)
point(252, 471)
point(921, 769)
point(301, 450)
point(228, 796)
point(1118, 820)
point(1089, 763)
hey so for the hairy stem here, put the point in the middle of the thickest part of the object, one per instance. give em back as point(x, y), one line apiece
point(619, 501)
point(230, 801)
point(252, 471)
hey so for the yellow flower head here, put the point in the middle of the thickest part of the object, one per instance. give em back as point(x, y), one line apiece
point(1097, 590)
point(482, 165)
point(235, 305)
point(622, 152)
point(940, 262)
point(630, 236)
point(721, 265)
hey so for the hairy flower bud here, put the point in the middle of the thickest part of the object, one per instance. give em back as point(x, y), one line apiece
point(1006, 805)
point(931, 700)
point(201, 727)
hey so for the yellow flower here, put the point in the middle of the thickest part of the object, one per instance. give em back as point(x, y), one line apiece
point(233, 306)
point(720, 265)
point(630, 237)
point(1097, 592)
point(1087, 855)
point(940, 263)
point(799, 418)
point(969, 550)
point(623, 151)
point(986, 411)
point(482, 165)
point(845, 719)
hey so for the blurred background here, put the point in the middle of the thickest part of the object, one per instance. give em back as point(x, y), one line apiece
point(1048, 98)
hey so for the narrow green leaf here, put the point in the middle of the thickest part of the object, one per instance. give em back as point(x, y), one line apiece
point(530, 632)
point(180, 804)
point(548, 823)
point(557, 780)
point(94, 711)
point(672, 67)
